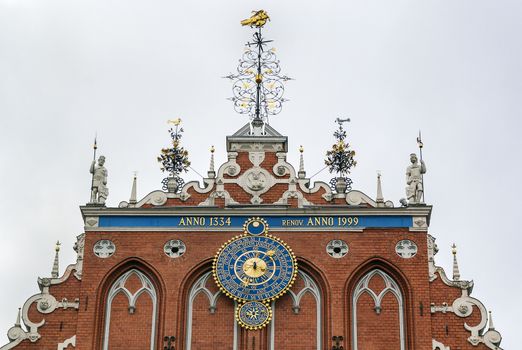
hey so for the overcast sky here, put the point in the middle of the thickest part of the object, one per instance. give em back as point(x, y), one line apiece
point(121, 68)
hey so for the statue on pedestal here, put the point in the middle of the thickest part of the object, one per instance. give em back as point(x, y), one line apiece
point(414, 181)
point(99, 189)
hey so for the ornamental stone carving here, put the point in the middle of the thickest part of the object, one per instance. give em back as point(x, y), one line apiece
point(79, 248)
point(104, 248)
point(406, 249)
point(256, 181)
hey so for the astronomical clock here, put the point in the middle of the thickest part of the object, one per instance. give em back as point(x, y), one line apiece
point(254, 269)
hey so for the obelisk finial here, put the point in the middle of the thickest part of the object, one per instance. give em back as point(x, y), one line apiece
point(18, 318)
point(380, 198)
point(301, 173)
point(56, 265)
point(456, 272)
point(211, 172)
point(134, 190)
point(491, 324)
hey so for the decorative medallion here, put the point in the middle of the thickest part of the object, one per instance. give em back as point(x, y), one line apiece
point(255, 226)
point(256, 180)
point(337, 248)
point(104, 248)
point(406, 249)
point(253, 315)
point(174, 248)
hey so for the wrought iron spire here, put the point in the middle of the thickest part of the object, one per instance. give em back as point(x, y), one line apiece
point(258, 84)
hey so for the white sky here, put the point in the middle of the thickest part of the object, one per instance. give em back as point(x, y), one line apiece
point(122, 68)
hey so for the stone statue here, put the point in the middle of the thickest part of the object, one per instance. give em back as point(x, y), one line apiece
point(414, 172)
point(99, 190)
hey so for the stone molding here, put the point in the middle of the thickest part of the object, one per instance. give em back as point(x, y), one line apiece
point(71, 341)
point(439, 346)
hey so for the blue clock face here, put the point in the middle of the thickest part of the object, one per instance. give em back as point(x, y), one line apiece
point(253, 315)
point(252, 268)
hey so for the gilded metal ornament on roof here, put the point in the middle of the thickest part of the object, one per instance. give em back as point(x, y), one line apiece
point(340, 159)
point(258, 85)
point(174, 160)
point(258, 19)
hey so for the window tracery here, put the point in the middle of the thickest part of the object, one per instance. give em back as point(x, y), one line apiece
point(119, 287)
point(390, 286)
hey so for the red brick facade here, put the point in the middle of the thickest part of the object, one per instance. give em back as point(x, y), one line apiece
point(421, 307)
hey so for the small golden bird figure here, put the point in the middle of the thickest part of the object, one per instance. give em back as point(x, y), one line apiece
point(176, 121)
point(257, 20)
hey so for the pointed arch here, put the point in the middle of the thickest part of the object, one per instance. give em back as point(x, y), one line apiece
point(378, 286)
point(309, 291)
point(203, 301)
point(120, 287)
point(147, 291)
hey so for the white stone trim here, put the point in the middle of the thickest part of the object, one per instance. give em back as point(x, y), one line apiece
point(356, 197)
point(391, 287)
point(119, 287)
point(439, 346)
point(463, 307)
point(67, 342)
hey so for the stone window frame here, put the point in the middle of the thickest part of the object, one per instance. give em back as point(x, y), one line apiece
point(119, 287)
point(310, 286)
point(200, 286)
point(391, 287)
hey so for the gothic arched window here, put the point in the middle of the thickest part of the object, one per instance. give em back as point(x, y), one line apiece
point(131, 313)
point(378, 313)
point(300, 310)
point(205, 310)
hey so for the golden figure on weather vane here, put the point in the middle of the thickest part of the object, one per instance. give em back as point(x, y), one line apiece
point(258, 19)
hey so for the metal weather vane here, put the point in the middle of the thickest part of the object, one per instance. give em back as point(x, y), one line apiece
point(174, 159)
point(258, 85)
